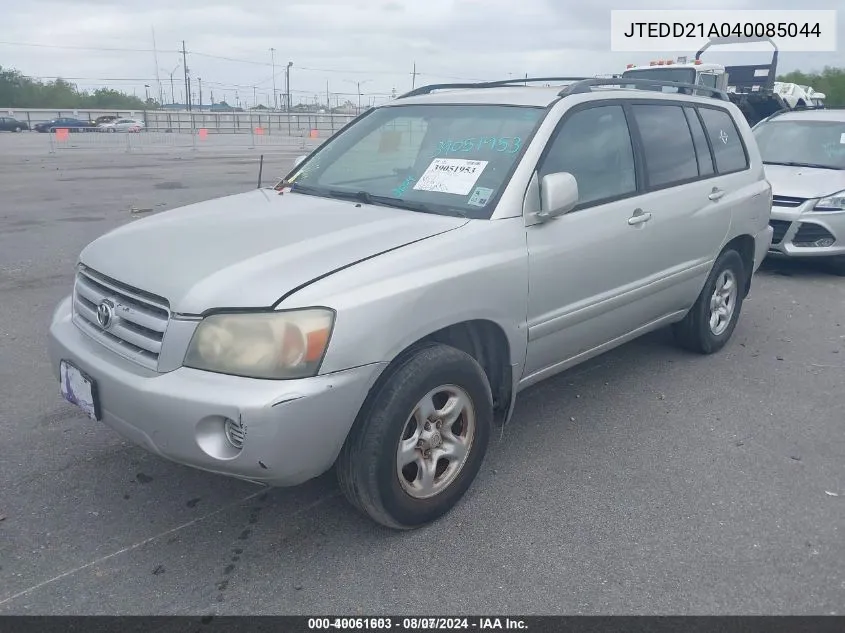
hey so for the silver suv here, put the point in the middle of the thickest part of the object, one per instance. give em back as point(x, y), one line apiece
point(804, 155)
point(381, 307)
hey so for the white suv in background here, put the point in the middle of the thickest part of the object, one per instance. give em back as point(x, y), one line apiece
point(804, 155)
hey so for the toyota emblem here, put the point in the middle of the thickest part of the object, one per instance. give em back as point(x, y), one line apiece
point(105, 314)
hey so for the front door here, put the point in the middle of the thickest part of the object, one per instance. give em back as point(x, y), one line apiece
point(586, 267)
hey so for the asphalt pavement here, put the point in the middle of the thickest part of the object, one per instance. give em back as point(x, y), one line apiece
point(646, 481)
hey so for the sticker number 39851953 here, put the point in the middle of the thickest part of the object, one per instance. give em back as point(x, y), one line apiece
point(451, 175)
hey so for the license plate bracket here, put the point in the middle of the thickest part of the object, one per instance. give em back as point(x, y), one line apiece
point(80, 389)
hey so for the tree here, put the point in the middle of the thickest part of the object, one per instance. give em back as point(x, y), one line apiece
point(19, 91)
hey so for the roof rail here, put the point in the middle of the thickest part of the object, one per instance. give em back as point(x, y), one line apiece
point(424, 90)
point(585, 85)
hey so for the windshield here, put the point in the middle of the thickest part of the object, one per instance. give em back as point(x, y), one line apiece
point(681, 75)
point(810, 143)
point(448, 159)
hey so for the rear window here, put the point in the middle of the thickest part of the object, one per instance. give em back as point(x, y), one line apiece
point(725, 139)
point(667, 144)
point(452, 158)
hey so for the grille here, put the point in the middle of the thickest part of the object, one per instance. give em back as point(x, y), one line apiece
point(139, 322)
point(787, 201)
point(779, 229)
point(809, 233)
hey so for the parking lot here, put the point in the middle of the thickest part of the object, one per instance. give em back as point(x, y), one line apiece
point(648, 480)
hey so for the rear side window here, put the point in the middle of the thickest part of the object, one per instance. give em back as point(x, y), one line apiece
point(728, 149)
point(702, 150)
point(667, 144)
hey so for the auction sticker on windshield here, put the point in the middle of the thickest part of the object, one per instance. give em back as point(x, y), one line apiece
point(451, 175)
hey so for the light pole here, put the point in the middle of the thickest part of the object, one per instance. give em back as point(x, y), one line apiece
point(273, 62)
point(147, 92)
point(358, 85)
point(287, 84)
point(199, 81)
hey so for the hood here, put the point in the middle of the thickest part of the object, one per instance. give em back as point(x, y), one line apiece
point(248, 250)
point(804, 182)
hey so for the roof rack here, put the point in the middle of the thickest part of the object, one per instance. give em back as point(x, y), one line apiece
point(424, 90)
point(585, 85)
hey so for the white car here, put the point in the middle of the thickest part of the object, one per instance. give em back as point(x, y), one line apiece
point(122, 125)
point(804, 156)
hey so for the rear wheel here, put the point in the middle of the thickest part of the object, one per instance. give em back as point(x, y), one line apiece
point(420, 439)
point(711, 321)
point(17, 128)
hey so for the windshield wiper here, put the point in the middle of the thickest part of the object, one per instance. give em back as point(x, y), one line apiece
point(792, 164)
point(398, 203)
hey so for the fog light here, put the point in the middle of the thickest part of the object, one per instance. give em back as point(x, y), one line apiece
point(824, 242)
point(235, 433)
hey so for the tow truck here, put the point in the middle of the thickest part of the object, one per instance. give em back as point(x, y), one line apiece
point(751, 87)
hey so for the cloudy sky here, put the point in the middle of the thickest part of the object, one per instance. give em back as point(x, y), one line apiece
point(334, 43)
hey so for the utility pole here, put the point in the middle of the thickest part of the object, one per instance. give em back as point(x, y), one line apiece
point(414, 74)
point(359, 97)
point(147, 93)
point(158, 77)
point(273, 62)
point(212, 97)
point(172, 90)
point(328, 98)
point(199, 81)
point(187, 84)
point(287, 84)
point(254, 97)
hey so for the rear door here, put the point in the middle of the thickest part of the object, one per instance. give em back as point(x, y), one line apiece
point(689, 217)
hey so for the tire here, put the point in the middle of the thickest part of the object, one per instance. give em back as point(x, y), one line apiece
point(695, 332)
point(17, 128)
point(368, 466)
point(111, 129)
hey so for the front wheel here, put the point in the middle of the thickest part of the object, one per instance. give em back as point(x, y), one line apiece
point(17, 128)
point(711, 321)
point(419, 440)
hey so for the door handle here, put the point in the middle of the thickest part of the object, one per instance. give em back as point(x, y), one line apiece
point(716, 194)
point(639, 217)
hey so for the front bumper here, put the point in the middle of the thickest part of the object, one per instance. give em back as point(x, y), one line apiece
point(294, 429)
point(798, 228)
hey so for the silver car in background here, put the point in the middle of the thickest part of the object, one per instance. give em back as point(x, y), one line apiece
point(122, 125)
point(381, 308)
point(804, 155)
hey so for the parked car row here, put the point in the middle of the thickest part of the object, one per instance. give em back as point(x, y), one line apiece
point(101, 124)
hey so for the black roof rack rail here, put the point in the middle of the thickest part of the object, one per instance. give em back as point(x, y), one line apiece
point(424, 90)
point(586, 85)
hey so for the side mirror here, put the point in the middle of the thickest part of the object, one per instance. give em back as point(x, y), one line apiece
point(298, 160)
point(558, 195)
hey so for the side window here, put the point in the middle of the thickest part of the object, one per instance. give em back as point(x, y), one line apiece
point(594, 145)
point(728, 149)
point(708, 80)
point(702, 150)
point(667, 144)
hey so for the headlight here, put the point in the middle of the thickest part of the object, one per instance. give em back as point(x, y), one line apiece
point(278, 345)
point(836, 202)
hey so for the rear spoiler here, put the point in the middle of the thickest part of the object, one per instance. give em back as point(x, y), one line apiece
point(752, 77)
